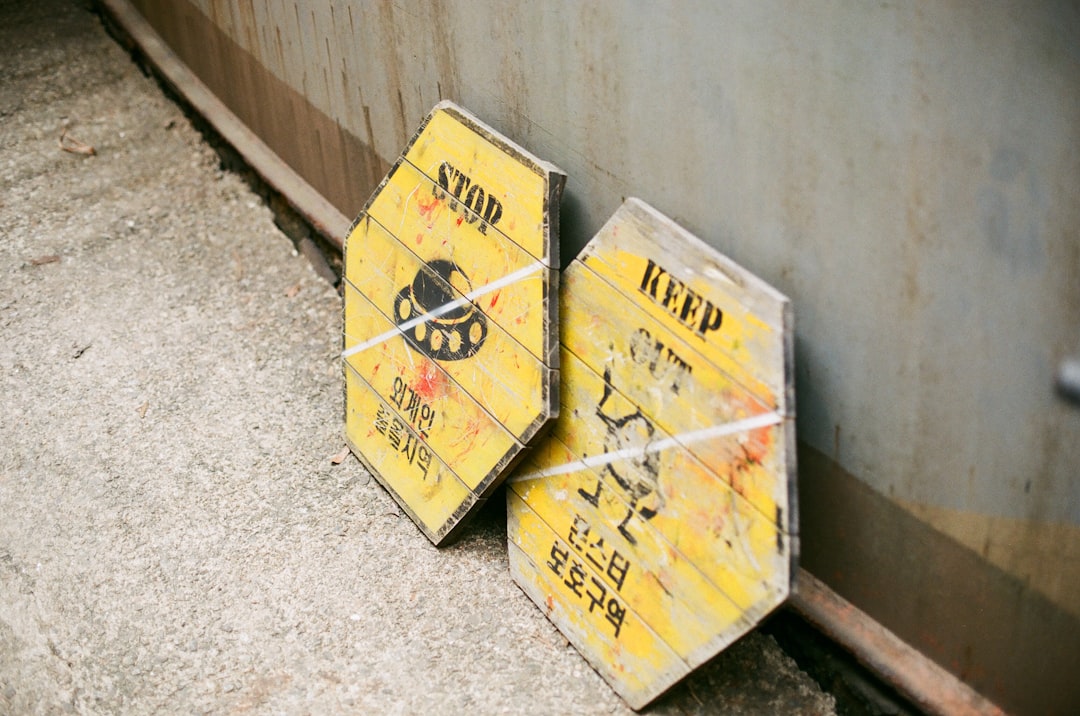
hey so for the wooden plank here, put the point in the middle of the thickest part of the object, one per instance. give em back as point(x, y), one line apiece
point(502, 184)
point(738, 322)
point(422, 393)
point(678, 388)
point(426, 488)
point(662, 586)
point(593, 617)
point(513, 380)
point(671, 459)
point(669, 491)
point(451, 318)
point(409, 205)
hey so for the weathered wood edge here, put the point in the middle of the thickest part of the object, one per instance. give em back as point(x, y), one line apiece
point(555, 181)
point(437, 538)
point(554, 178)
point(791, 448)
point(738, 274)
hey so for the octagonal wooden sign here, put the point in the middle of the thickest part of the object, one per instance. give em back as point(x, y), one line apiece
point(451, 318)
point(655, 525)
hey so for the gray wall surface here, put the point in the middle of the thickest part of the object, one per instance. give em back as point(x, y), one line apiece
point(905, 172)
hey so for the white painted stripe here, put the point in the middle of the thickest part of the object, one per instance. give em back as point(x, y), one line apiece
point(716, 431)
point(446, 307)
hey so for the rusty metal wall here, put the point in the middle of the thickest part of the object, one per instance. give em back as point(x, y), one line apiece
point(906, 172)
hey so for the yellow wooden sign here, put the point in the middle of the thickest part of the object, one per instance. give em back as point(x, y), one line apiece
point(451, 318)
point(655, 525)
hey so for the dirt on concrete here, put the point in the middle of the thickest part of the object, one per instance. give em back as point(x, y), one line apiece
point(174, 536)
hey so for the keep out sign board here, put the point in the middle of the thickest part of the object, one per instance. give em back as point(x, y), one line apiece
point(655, 524)
point(451, 333)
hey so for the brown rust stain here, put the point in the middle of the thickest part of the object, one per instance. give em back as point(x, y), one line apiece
point(442, 41)
point(248, 24)
point(390, 64)
point(1005, 639)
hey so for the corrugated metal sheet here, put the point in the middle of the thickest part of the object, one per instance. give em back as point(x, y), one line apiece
point(907, 173)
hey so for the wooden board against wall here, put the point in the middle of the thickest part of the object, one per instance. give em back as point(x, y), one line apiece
point(655, 525)
point(451, 318)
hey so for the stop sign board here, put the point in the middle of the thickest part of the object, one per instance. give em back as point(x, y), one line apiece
point(655, 524)
point(451, 318)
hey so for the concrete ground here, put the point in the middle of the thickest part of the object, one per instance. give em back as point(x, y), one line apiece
point(174, 536)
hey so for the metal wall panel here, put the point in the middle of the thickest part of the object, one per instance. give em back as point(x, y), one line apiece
point(906, 172)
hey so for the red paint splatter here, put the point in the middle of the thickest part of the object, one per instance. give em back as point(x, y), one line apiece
point(430, 382)
point(419, 239)
point(494, 299)
point(755, 449)
point(460, 219)
point(427, 205)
